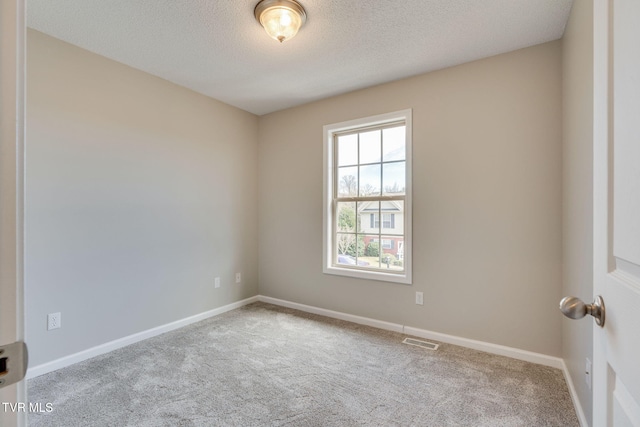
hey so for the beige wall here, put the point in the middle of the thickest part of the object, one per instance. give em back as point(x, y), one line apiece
point(577, 67)
point(138, 193)
point(486, 196)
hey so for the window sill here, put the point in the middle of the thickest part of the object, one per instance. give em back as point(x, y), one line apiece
point(403, 278)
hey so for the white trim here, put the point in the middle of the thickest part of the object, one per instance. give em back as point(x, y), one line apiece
point(501, 350)
point(387, 326)
point(327, 226)
point(54, 365)
point(514, 353)
point(582, 419)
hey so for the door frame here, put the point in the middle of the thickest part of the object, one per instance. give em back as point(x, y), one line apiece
point(12, 133)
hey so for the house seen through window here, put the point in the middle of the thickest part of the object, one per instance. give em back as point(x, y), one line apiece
point(367, 194)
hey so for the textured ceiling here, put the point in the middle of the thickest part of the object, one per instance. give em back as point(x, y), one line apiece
point(216, 47)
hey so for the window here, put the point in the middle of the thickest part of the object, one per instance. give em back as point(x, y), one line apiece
point(367, 203)
point(386, 244)
point(388, 220)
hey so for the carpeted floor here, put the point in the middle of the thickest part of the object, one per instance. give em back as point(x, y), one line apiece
point(263, 365)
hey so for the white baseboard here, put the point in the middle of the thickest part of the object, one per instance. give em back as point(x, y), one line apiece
point(333, 314)
point(574, 396)
point(45, 368)
point(514, 353)
point(395, 327)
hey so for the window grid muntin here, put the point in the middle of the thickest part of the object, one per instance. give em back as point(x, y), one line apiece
point(358, 198)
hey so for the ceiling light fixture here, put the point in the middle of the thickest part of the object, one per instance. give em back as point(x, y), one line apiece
point(281, 19)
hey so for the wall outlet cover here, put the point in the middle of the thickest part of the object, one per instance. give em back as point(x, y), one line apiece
point(54, 321)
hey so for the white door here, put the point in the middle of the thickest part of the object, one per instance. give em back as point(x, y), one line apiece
point(616, 370)
point(12, 30)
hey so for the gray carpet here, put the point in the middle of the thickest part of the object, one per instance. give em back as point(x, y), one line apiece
point(263, 365)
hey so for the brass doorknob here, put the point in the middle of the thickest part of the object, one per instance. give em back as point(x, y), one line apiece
point(574, 308)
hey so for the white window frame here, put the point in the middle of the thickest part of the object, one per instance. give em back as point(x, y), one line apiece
point(329, 132)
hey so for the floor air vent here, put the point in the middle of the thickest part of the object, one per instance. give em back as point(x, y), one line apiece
point(424, 344)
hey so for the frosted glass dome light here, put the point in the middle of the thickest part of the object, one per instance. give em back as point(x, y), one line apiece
point(281, 19)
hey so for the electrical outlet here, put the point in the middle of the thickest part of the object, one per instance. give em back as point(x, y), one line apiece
point(587, 373)
point(238, 278)
point(54, 321)
point(419, 298)
point(217, 282)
